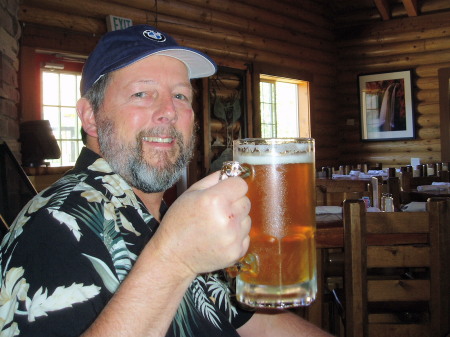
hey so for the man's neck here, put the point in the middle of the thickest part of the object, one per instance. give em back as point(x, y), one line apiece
point(152, 201)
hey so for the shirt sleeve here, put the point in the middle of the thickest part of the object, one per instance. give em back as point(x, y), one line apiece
point(51, 287)
point(242, 317)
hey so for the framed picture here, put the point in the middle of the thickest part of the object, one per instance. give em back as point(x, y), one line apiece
point(386, 106)
point(227, 117)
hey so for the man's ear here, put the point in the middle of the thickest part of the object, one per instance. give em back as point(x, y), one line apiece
point(86, 115)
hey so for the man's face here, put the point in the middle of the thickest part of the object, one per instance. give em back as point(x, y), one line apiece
point(145, 125)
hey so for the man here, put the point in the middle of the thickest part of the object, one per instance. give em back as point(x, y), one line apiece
point(93, 255)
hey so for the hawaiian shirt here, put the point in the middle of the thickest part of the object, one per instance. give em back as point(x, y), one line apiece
point(74, 243)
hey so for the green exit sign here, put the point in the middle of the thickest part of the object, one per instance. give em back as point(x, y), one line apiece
point(117, 23)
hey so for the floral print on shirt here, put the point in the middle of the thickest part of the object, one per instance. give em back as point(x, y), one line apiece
point(74, 243)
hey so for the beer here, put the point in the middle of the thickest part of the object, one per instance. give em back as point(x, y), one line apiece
point(281, 190)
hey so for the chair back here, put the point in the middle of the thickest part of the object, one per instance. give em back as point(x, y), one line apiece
point(376, 190)
point(397, 271)
point(331, 192)
point(408, 182)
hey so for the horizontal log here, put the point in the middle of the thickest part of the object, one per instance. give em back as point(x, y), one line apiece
point(310, 11)
point(394, 158)
point(168, 12)
point(326, 106)
point(323, 158)
point(361, 13)
point(324, 130)
point(397, 48)
point(429, 133)
point(430, 120)
point(231, 52)
point(326, 142)
point(423, 133)
point(348, 76)
point(93, 9)
point(431, 95)
point(430, 69)
point(70, 22)
point(400, 30)
point(427, 83)
point(147, 5)
point(243, 39)
point(269, 17)
point(218, 49)
point(428, 108)
point(323, 88)
point(179, 28)
point(55, 39)
point(350, 115)
point(433, 145)
point(396, 62)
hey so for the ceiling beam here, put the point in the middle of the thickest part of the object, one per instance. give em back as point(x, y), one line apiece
point(411, 7)
point(384, 9)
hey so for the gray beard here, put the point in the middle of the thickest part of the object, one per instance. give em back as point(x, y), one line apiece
point(127, 160)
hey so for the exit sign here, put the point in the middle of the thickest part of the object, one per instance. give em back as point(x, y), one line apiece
point(117, 23)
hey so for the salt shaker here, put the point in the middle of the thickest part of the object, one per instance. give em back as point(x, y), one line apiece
point(387, 202)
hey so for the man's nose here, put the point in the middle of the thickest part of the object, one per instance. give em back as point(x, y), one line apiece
point(166, 111)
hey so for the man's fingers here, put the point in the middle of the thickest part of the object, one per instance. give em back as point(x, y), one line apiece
point(231, 188)
point(206, 182)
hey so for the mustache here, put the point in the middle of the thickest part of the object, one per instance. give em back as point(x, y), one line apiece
point(158, 131)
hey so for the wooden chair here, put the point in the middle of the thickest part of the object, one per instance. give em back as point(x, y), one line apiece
point(397, 271)
point(330, 272)
point(376, 189)
point(331, 192)
point(409, 183)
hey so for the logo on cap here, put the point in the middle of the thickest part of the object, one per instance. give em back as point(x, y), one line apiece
point(154, 35)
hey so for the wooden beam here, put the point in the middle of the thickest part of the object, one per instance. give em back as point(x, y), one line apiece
point(411, 7)
point(384, 9)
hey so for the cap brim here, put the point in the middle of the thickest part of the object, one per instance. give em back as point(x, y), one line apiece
point(199, 65)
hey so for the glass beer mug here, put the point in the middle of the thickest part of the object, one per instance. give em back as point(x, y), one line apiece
point(279, 270)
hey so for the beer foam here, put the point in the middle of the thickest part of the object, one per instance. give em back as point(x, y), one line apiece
point(256, 158)
point(289, 153)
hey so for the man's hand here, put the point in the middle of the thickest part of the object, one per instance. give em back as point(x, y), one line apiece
point(207, 227)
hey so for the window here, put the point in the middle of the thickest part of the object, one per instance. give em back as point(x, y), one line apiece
point(59, 96)
point(284, 107)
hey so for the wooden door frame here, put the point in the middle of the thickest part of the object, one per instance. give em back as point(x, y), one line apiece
point(444, 103)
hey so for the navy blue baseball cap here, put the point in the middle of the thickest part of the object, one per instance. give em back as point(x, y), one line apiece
point(120, 48)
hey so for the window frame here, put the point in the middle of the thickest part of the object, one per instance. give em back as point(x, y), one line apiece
point(78, 144)
point(287, 74)
point(30, 80)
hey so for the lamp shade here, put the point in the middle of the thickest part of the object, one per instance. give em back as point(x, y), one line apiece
point(37, 143)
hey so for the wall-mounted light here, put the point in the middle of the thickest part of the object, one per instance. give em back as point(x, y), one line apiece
point(52, 65)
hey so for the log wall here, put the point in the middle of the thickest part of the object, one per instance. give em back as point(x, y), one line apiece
point(235, 33)
point(333, 41)
point(367, 45)
point(9, 64)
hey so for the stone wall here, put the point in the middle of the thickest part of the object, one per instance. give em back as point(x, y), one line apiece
point(9, 65)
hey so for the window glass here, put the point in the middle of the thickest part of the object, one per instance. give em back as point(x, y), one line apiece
point(283, 114)
point(59, 97)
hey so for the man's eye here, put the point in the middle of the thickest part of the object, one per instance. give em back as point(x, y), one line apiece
point(139, 94)
point(181, 97)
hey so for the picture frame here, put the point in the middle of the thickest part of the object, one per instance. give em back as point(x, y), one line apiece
point(386, 106)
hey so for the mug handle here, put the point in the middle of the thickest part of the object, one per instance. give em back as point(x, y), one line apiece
point(233, 169)
point(248, 263)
